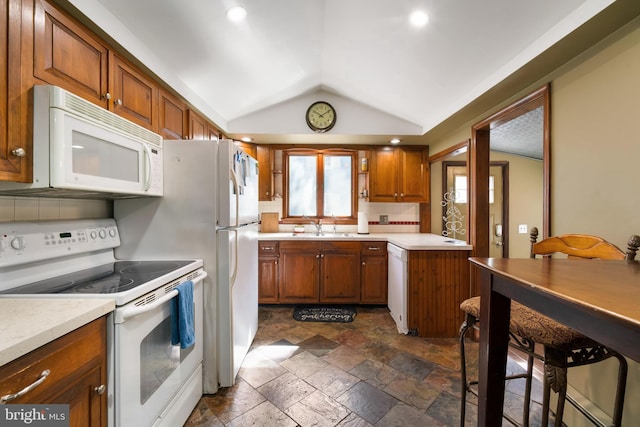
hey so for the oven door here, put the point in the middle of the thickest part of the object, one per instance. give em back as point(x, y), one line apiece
point(149, 371)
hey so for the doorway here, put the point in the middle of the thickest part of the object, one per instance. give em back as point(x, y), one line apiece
point(479, 168)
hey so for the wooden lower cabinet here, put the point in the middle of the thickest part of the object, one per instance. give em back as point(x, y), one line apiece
point(373, 276)
point(340, 272)
point(268, 276)
point(327, 272)
point(77, 365)
point(437, 282)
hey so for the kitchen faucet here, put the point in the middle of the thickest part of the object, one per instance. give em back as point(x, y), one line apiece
point(318, 227)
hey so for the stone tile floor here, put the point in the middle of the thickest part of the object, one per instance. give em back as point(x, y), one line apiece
point(354, 374)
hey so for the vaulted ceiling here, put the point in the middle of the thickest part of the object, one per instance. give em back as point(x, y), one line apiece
point(386, 77)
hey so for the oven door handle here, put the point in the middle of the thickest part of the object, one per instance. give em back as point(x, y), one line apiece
point(126, 313)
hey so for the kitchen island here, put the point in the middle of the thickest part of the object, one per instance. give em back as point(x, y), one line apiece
point(350, 268)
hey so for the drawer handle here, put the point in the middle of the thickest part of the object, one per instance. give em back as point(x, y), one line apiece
point(268, 248)
point(9, 397)
point(374, 248)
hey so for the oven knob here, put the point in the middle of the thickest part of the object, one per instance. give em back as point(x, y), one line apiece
point(102, 233)
point(17, 243)
point(112, 232)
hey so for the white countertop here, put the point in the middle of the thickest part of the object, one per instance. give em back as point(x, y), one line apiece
point(28, 323)
point(409, 241)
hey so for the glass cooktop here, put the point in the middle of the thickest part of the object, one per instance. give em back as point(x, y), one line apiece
point(112, 278)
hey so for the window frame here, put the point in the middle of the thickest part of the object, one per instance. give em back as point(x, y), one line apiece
point(319, 154)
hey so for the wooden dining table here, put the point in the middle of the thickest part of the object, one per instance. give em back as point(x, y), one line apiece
point(600, 299)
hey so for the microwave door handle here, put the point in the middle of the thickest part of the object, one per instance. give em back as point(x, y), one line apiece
point(127, 313)
point(147, 167)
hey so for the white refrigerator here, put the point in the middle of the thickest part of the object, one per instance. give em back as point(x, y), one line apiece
point(209, 211)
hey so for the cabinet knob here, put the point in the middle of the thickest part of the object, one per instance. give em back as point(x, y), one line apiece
point(19, 152)
point(401, 194)
point(395, 194)
point(317, 256)
point(275, 262)
point(106, 96)
point(100, 389)
point(117, 102)
point(364, 263)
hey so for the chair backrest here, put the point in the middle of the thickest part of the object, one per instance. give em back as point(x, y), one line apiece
point(582, 246)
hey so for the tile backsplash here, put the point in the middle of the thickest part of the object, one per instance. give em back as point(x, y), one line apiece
point(40, 209)
point(402, 217)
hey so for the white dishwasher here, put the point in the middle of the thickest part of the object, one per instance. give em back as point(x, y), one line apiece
point(397, 296)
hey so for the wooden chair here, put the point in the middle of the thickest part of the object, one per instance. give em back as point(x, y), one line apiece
point(563, 347)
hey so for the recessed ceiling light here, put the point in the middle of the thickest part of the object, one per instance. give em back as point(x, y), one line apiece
point(395, 141)
point(418, 18)
point(236, 14)
point(246, 139)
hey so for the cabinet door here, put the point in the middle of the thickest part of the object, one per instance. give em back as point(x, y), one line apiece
point(299, 275)
point(383, 175)
point(340, 271)
point(197, 126)
point(373, 276)
point(213, 133)
point(134, 95)
point(13, 99)
point(68, 55)
point(413, 180)
point(373, 280)
point(173, 117)
point(267, 280)
point(265, 186)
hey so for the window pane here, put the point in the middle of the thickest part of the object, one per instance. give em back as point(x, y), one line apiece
point(460, 184)
point(302, 185)
point(491, 189)
point(337, 185)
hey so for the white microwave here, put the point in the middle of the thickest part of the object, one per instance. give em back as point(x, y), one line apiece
point(82, 150)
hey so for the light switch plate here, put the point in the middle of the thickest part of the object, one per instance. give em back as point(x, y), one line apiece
point(384, 219)
point(522, 228)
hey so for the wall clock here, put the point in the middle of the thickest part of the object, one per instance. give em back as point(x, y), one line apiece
point(321, 116)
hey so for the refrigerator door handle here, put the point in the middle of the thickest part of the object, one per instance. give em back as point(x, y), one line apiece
point(236, 188)
point(234, 274)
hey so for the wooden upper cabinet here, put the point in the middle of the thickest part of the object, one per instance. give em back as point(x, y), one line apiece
point(68, 55)
point(14, 100)
point(213, 132)
point(197, 126)
point(399, 175)
point(413, 179)
point(134, 95)
point(173, 117)
point(265, 181)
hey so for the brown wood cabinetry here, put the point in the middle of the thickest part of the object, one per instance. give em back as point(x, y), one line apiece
point(134, 95)
point(373, 276)
point(438, 281)
point(268, 260)
point(299, 272)
point(340, 272)
point(265, 177)
point(172, 116)
point(197, 126)
point(68, 55)
point(399, 174)
point(77, 366)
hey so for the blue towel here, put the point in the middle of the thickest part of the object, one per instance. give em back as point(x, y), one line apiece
point(182, 316)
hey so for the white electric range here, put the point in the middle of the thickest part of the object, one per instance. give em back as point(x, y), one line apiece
point(151, 381)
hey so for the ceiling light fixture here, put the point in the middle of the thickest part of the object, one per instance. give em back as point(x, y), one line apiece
point(418, 18)
point(236, 14)
point(246, 139)
point(395, 141)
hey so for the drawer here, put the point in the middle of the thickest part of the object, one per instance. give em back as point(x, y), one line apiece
point(66, 358)
point(267, 247)
point(374, 248)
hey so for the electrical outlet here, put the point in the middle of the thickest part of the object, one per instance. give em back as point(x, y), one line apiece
point(384, 219)
point(522, 228)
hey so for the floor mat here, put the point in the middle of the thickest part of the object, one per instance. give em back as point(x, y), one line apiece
point(324, 314)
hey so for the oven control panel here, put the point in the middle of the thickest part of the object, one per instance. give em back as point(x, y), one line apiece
point(25, 242)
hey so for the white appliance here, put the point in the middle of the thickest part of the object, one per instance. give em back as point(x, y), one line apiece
point(209, 211)
point(151, 382)
point(81, 150)
point(397, 282)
